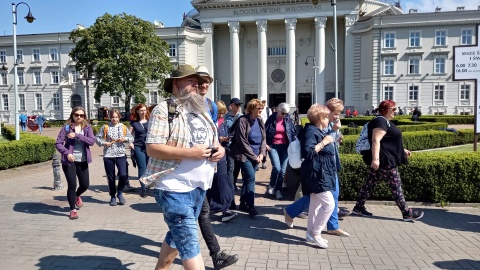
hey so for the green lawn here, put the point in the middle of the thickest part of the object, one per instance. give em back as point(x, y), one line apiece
point(456, 149)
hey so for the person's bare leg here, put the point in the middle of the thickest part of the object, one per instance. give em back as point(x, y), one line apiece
point(166, 257)
point(195, 263)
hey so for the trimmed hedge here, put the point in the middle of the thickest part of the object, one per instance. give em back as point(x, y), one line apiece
point(29, 149)
point(429, 177)
point(406, 119)
point(418, 126)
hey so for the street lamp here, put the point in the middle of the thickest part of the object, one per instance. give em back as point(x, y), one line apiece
point(87, 78)
point(29, 19)
point(314, 88)
point(334, 4)
point(310, 79)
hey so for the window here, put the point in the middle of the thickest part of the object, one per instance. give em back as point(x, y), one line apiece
point(277, 51)
point(55, 77)
point(439, 91)
point(172, 49)
point(115, 99)
point(389, 66)
point(413, 92)
point(414, 65)
point(154, 97)
point(38, 101)
point(5, 102)
point(21, 77)
point(389, 40)
point(415, 39)
point(440, 65)
point(388, 93)
point(53, 54)
point(467, 36)
point(4, 80)
point(21, 97)
point(465, 91)
point(56, 101)
point(19, 56)
point(440, 38)
point(3, 57)
point(37, 77)
point(36, 55)
point(75, 75)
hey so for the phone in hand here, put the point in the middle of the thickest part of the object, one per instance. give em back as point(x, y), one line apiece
point(214, 150)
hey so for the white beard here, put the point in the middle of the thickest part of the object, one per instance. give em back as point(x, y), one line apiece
point(192, 101)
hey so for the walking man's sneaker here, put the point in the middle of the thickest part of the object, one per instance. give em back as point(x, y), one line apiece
point(270, 190)
point(361, 211)
point(278, 195)
point(121, 199)
point(229, 215)
point(73, 214)
point(412, 215)
point(221, 259)
point(343, 213)
point(143, 193)
point(113, 201)
point(264, 166)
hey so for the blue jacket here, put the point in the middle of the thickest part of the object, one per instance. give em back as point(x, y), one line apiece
point(271, 126)
point(318, 170)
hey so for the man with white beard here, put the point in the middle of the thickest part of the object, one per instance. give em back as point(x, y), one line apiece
point(183, 148)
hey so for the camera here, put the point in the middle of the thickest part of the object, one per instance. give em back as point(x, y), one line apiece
point(214, 150)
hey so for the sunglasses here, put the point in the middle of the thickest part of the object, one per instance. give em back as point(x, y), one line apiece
point(79, 115)
point(393, 109)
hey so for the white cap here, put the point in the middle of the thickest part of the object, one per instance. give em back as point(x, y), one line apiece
point(263, 99)
point(203, 71)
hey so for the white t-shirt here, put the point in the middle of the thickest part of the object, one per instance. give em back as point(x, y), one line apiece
point(265, 114)
point(192, 173)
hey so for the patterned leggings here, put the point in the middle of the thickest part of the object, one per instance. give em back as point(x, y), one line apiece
point(390, 173)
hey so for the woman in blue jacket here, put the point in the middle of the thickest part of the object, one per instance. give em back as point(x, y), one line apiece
point(318, 172)
point(280, 132)
point(73, 142)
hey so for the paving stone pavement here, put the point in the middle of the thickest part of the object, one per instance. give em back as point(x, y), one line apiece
point(37, 234)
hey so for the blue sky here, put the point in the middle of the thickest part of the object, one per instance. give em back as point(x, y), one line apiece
point(64, 15)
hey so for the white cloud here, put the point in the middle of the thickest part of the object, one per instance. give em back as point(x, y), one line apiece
point(445, 5)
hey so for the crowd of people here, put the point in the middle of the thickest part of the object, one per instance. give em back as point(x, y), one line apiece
point(191, 150)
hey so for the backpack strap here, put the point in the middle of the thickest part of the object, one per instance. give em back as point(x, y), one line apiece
point(105, 131)
point(172, 113)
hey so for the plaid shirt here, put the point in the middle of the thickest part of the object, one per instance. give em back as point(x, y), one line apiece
point(158, 133)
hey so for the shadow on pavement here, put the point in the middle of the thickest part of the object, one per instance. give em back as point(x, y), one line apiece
point(458, 264)
point(443, 218)
point(85, 199)
point(81, 262)
point(40, 208)
point(146, 207)
point(119, 240)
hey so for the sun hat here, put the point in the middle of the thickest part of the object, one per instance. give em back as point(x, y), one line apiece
point(180, 72)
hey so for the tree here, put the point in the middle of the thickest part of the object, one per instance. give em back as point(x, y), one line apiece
point(124, 53)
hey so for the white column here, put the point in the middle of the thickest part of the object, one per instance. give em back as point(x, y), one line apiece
point(320, 23)
point(262, 58)
point(290, 26)
point(207, 29)
point(234, 59)
point(351, 97)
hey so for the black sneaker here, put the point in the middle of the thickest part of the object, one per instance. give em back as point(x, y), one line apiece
point(221, 260)
point(361, 211)
point(244, 208)
point(143, 193)
point(229, 215)
point(253, 212)
point(412, 215)
point(113, 201)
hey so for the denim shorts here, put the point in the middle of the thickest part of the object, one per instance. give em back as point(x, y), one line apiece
point(180, 212)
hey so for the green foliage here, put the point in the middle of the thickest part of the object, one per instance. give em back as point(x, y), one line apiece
point(429, 177)
point(29, 149)
point(124, 53)
point(419, 126)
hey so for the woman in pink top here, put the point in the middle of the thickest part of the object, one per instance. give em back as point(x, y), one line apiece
point(280, 131)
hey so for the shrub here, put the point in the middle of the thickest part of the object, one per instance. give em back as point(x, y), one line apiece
point(429, 177)
point(30, 149)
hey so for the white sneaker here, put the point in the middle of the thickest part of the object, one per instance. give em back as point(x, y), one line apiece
point(278, 195)
point(270, 190)
point(287, 218)
point(317, 240)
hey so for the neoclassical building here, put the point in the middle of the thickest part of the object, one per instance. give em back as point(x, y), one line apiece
point(283, 50)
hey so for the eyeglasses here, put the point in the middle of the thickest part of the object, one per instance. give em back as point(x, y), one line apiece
point(393, 109)
point(79, 115)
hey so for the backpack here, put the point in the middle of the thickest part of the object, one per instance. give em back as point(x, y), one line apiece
point(294, 154)
point(231, 130)
point(362, 143)
point(105, 131)
point(210, 106)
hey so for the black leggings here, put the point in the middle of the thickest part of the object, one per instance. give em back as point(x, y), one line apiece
point(72, 171)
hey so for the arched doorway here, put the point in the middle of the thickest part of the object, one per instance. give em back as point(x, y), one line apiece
point(76, 100)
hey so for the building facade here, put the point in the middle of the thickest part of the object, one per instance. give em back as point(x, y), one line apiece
point(281, 50)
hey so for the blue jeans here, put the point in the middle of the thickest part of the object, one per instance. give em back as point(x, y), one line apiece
point(279, 158)
point(141, 158)
point(302, 204)
point(121, 163)
point(40, 128)
point(24, 126)
point(180, 212)
point(249, 169)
